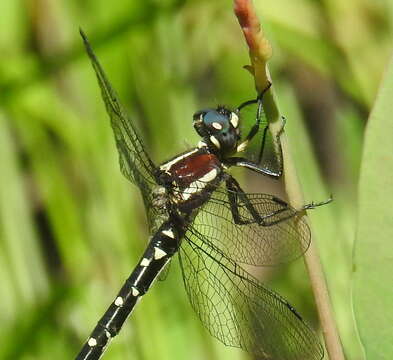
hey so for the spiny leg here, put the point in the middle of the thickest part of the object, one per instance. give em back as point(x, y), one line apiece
point(255, 128)
point(251, 165)
point(248, 164)
point(269, 218)
point(235, 192)
point(277, 149)
point(313, 205)
point(285, 212)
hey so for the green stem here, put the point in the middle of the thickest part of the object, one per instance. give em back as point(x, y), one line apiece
point(259, 47)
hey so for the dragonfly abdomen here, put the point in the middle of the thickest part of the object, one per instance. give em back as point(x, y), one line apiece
point(163, 245)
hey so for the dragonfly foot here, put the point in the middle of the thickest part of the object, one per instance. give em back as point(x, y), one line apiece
point(313, 205)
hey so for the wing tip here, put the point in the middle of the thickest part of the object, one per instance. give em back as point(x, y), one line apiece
point(96, 65)
point(86, 43)
point(83, 35)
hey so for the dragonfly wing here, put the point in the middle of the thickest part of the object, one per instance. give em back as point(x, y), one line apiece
point(135, 163)
point(283, 237)
point(238, 310)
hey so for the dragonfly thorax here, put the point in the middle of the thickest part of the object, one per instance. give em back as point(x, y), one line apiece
point(219, 129)
point(190, 177)
point(159, 197)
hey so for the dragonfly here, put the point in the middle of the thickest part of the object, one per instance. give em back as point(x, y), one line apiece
point(198, 210)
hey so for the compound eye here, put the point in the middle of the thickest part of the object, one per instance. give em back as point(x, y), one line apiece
point(215, 121)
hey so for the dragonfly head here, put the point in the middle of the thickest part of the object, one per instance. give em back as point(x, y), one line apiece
point(219, 128)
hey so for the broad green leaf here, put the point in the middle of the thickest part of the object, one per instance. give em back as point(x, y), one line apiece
point(373, 255)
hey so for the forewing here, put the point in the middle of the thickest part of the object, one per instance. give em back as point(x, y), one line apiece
point(262, 149)
point(135, 163)
point(282, 237)
point(238, 310)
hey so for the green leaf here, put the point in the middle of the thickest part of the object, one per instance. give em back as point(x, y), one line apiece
point(373, 255)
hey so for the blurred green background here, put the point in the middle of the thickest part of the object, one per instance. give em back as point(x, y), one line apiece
point(72, 228)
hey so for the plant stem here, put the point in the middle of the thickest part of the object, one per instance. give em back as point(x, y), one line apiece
point(260, 52)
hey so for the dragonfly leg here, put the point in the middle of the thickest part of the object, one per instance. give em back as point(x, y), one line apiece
point(238, 198)
point(277, 148)
point(254, 130)
point(287, 212)
point(254, 166)
point(313, 205)
point(235, 193)
point(248, 164)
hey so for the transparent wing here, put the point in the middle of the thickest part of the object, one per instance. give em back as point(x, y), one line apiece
point(165, 272)
point(262, 149)
point(282, 237)
point(135, 163)
point(238, 310)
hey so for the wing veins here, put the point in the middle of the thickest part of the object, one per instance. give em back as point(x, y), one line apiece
point(125, 132)
point(250, 299)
